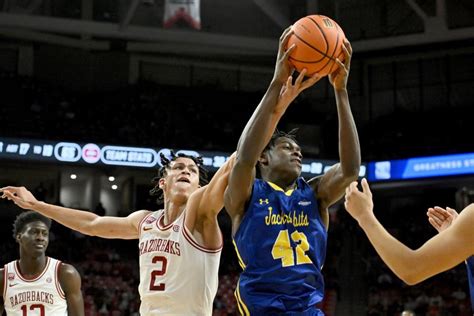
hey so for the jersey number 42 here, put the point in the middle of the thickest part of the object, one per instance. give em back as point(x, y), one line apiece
point(282, 248)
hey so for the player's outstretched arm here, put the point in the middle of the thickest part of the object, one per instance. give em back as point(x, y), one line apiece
point(70, 281)
point(82, 221)
point(331, 186)
point(438, 254)
point(259, 129)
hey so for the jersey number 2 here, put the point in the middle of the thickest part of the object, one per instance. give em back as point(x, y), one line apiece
point(24, 309)
point(157, 273)
point(282, 248)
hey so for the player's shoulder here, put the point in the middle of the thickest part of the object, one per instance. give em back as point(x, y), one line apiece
point(67, 271)
point(138, 216)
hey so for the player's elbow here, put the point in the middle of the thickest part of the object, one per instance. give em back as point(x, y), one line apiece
point(410, 278)
point(351, 173)
point(411, 272)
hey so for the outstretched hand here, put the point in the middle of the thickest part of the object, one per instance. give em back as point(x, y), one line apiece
point(359, 203)
point(338, 78)
point(284, 73)
point(291, 90)
point(20, 196)
point(283, 69)
point(441, 218)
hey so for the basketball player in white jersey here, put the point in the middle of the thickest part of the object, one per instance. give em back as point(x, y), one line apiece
point(36, 284)
point(179, 246)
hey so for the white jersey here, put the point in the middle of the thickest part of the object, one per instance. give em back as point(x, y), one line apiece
point(38, 296)
point(177, 275)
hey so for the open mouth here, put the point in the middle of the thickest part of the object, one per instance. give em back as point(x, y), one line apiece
point(186, 180)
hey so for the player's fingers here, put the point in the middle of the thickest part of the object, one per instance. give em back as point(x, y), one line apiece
point(440, 217)
point(9, 195)
point(300, 77)
point(437, 220)
point(339, 64)
point(288, 52)
point(285, 37)
point(282, 36)
point(353, 187)
point(434, 223)
point(452, 212)
point(348, 46)
point(365, 187)
point(441, 212)
point(309, 82)
point(347, 54)
point(9, 188)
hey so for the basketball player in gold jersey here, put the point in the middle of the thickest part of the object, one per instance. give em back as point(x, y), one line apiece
point(36, 284)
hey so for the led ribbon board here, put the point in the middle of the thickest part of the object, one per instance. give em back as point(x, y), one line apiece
point(97, 154)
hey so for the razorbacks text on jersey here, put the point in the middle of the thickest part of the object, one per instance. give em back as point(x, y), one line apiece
point(41, 295)
point(177, 275)
point(281, 246)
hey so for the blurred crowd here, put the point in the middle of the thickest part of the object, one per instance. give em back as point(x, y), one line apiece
point(209, 118)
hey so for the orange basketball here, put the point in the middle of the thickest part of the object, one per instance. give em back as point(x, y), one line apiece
point(318, 42)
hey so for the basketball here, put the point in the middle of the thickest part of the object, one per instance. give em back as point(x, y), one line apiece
point(318, 41)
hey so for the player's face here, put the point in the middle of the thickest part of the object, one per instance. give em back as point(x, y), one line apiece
point(34, 238)
point(285, 157)
point(182, 177)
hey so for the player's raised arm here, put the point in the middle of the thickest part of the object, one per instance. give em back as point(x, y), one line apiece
point(257, 133)
point(442, 252)
point(330, 187)
point(82, 221)
point(70, 281)
point(209, 200)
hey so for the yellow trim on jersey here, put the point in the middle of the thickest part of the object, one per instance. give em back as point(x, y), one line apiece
point(240, 303)
point(241, 262)
point(277, 188)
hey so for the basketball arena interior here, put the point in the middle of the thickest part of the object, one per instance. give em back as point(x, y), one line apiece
point(92, 91)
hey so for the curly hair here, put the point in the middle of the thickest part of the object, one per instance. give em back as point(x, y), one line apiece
point(279, 134)
point(276, 135)
point(162, 172)
point(28, 217)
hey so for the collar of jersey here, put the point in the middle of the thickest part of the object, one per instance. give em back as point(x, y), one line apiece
point(277, 188)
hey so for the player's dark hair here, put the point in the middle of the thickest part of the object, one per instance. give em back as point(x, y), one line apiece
point(276, 135)
point(279, 134)
point(162, 172)
point(28, 217)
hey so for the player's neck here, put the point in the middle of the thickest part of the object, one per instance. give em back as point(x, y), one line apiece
point(285, 184)
point(173, 210)
point(31, 266)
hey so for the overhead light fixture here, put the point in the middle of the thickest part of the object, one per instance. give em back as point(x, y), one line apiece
point(111, 178)
point(73, 176)
point(114, 187)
